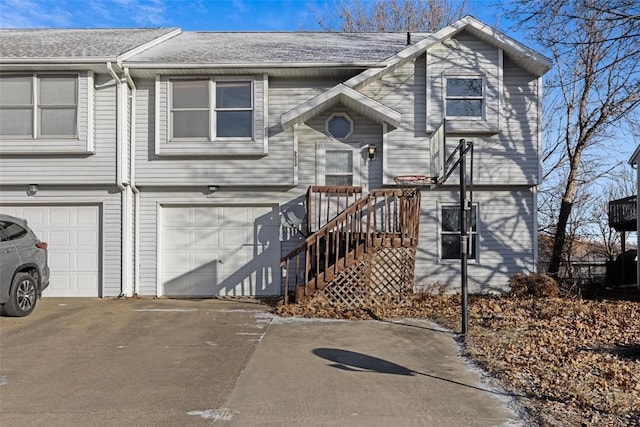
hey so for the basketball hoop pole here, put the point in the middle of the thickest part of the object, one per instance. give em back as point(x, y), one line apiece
point(463, 148)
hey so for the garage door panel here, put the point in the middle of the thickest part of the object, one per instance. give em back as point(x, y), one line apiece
point(60, 261)
point(235, 237)
point(225, 252)
point(87, 217)
point(86, 239)
point(60, 216)
point(86, 282)
point(207, 238)
point(72, 234)
point(62, 238)
point(207, 217)
point(205, 258)
point(179, 238)
point(88, 260)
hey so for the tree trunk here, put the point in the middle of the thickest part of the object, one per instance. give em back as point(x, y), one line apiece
point(564, 214)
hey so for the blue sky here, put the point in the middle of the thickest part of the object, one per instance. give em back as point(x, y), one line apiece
point(205, 15)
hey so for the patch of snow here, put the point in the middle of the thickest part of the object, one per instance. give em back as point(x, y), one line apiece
point(222, 414)
point(282, 320)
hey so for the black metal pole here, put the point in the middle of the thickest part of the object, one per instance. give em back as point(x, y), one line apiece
point(463, 236)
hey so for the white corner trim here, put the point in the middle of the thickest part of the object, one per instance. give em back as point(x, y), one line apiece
point(157, 115)
point(265, 113)
point(91, 119)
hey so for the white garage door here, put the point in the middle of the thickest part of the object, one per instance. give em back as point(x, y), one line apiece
point(220, 251)
point(72, 233)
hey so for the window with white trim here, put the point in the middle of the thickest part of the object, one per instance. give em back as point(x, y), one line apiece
point(209, 109)
point(39, 106)
point(464, 97)
point(450, 232)
point(338, 168)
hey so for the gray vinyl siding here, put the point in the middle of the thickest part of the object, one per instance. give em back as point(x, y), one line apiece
point(274, 168)
point(407, 146)
point(365, 132)
point(78, 168)
point(510, 155)
point(506, 240)
point(462, 56)
point(109, 199)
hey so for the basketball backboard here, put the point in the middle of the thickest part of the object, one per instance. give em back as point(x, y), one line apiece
point(438, 153)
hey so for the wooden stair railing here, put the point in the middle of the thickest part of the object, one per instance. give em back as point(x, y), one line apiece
point(381, 218)
point(325, 202)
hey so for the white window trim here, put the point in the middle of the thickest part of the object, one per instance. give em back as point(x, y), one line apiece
point(81, 143)
point(215, 109)
point(439, 207)
point(346, 116)
point(322, 147)
point(212, 109)
point(482, 98)
point(170, 109)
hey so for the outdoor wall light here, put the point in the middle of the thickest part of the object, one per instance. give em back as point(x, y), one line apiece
point(372, 151)
point(33, 189)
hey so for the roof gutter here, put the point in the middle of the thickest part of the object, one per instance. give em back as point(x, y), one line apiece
point(169, 65)
point(57, 61)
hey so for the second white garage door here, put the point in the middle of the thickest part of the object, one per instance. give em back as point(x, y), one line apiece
point(73, 236)
point(220, 251)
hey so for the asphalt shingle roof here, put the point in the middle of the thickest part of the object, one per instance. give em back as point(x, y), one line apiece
point(271, 48)
point(74, 43)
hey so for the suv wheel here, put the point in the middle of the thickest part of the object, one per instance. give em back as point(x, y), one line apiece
point(23, 296)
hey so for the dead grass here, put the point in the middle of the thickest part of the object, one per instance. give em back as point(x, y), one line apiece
point(577, 361)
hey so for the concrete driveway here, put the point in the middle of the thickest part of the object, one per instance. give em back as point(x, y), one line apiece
point(135, 362)
point(146, 362)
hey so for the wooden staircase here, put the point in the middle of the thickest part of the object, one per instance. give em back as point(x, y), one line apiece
point(366, 250)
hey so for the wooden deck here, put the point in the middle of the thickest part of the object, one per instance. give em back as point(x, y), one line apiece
point(364, 252)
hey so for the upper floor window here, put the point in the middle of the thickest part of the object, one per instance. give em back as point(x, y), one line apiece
point(210, 109)
point(464, 97)
point(340, 126)
point(450, 232)
point(36, 106)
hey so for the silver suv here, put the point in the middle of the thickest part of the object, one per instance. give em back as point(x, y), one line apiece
point(24, 271)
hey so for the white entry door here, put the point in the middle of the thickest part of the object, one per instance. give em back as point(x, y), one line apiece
point(220, 251)
point(73, 236)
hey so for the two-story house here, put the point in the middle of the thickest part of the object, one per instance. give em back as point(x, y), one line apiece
point(166, 163)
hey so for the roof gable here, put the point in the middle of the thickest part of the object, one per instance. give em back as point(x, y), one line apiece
point(521, 55)
point(347, 96)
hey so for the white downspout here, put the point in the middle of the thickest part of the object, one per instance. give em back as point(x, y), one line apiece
point(132, 183)
point(120, 182)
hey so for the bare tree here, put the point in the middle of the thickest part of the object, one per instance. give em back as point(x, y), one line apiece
point(389, 15)
point(595, 87)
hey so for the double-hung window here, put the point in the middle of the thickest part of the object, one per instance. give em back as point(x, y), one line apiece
point(339, 167)
point(450, 232)
point(39, 106)
point(211, 109)
point(464, 97)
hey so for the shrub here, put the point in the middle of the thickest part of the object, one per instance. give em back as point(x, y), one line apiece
point(537, 285)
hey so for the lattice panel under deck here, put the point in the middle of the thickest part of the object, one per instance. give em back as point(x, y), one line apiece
point(392, 273)
point(382, 275)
